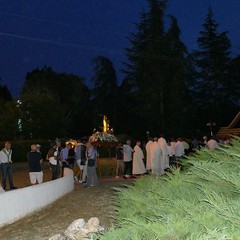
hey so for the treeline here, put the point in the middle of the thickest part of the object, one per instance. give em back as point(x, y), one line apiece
point(166, 88)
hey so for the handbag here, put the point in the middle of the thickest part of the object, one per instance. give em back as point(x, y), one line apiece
point(91, 162)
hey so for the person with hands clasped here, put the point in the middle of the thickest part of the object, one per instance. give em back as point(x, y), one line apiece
point(6, 165)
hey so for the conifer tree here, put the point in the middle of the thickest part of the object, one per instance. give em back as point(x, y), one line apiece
point(5, 94)
point(8, 115)
point(104, 93)
point(233, 83)
point(155, 68)
point(176, 75)
point(212, 75)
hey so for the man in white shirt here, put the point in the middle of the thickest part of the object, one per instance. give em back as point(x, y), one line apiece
point(127, 158)
point(6, 165)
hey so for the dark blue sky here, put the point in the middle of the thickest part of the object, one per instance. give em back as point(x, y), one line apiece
point(68, 34)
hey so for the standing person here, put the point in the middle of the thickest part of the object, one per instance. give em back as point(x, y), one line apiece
point(119, 157)
point(179, 150)
point(6, 165)
point(80, 153)
point(127, 158)
point(186, 146)
point(164, 149)
point(195, 144)
point(64, 156)
point(205, 140)
point(171, 149)
point(71, 156)
point(149, 162)
point(53, 159)
point(34, 159)
point(92, 179)
point(138, 164)
point(157, 162)
point(212, 143)
point(84, 163)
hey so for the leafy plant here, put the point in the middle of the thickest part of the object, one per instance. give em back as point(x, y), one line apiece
point(200, 203)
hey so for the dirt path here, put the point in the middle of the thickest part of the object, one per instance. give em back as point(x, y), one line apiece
point(55, 218)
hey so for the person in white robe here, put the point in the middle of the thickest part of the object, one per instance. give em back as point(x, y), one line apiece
point(179, 149)
point(165, 152)
point(138, 164)
point(212, 143)
point(156, 158)
point(171, 149)
point(149, 162)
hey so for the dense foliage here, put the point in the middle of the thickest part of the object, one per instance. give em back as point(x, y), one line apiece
point(104, 94)
point(213, 88)
point(157, 72)
point(201, 203)
point(53, 104)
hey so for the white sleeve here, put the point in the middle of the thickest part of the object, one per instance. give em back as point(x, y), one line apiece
point(1, 156)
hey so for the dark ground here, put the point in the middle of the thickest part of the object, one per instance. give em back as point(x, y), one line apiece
point(80, 203)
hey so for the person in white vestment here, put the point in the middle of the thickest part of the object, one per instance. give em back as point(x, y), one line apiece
point(165, 152)
point(149, 162)
point(138, 164)
point(186, 147)
point(212, 143)
point(171, 152)
point(179, 149)
point(156, 158)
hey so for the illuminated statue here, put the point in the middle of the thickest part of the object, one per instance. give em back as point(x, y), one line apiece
point(105, 125)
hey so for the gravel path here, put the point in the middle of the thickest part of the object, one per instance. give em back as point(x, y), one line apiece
point(80, 203)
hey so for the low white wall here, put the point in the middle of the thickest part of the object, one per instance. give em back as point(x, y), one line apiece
point(18, 203)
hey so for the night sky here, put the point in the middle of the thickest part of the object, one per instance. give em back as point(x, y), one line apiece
point(68, 34)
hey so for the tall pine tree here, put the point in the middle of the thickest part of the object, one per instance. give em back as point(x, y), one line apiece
point(176, 75)
point(8, 115)
point(212, 71)
point(155, 71)
point(104, 93)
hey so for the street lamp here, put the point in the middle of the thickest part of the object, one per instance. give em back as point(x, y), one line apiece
point(211, 125)
point(147, 132)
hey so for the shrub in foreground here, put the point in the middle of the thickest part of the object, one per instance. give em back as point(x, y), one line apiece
point(202, 203)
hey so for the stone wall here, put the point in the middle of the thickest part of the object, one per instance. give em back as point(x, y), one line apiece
point(18, 203)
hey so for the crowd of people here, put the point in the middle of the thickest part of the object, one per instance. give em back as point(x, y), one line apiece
point(34, 159)
point(84, 154)
point(59, 158)
point(160, 156)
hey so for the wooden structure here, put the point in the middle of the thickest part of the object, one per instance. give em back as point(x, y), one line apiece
point(231, 129)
